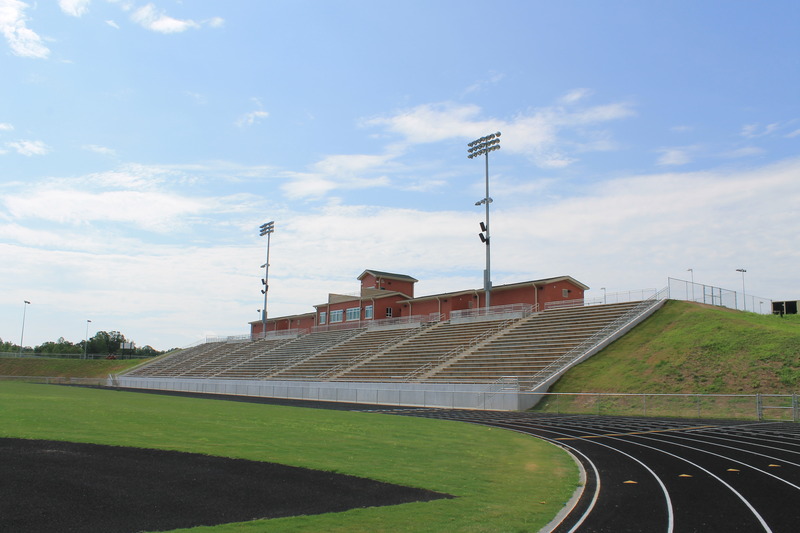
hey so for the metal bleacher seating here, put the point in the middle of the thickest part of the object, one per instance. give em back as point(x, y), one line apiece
point(454, 352)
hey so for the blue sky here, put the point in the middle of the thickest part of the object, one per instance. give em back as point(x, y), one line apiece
point(142, 144)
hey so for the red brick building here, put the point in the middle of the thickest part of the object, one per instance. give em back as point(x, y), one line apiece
point(385, 295)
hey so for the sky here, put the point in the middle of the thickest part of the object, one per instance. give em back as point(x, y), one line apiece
point(142, 144)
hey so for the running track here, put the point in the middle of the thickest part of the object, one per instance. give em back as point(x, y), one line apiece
point(652, 475)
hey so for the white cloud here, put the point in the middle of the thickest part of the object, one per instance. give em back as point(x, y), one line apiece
point(112, 24)
point(100, 149)
point(752, 131)
point(675, 156)
point(746, 151)
point(627, 233)
point(795, 133)
point(23, 41)
point(216, 22)
point(76, 8)
point(575, 95)
point(154, 19)
point(493, 79)
point(549, 136)
point(5, 126)
point(252, 117)
point(29, 148)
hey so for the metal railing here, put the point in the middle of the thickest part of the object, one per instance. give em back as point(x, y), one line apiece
point(767, 407)
point(366, 354)
point(422, 370)
point(497, 311)
point(596, 339)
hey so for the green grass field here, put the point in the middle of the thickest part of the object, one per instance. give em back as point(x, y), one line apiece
point(503, 481)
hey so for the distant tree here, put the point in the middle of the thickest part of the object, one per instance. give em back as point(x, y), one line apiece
point(146, 350)
point(61, 346)
point(8, 346)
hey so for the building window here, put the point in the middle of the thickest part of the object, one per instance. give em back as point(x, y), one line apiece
point(565, 293)
point(354, 313)
point(323, 317)
point(368, 312)
point(336, 316)
point(388, 312)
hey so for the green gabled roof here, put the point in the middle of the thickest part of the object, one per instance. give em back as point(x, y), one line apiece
point(387, 275)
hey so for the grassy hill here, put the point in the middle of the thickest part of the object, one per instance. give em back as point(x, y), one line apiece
point(68, 368)
point(694, 348)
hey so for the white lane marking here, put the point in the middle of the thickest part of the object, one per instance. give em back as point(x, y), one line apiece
point(738, 495)
point(723, 457)
point(670, 513)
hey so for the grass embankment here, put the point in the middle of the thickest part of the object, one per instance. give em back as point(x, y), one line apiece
point(693, 348)
point(68, 368)
point(503, 481)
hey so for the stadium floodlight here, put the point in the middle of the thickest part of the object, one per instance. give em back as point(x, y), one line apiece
point(744, 294)
point(86, 341)
point(482, 147)
point(265, 229)
point(22, 335)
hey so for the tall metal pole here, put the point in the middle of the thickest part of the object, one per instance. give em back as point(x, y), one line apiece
point(483, 146)
point(266, 229)
point(691, 270)
point(22, 335)
point(744, 294)
point(86, 341)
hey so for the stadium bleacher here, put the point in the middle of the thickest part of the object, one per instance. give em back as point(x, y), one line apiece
point(478, 351)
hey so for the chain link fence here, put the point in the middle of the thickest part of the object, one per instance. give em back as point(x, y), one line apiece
point(780, 407)
point(680, 289)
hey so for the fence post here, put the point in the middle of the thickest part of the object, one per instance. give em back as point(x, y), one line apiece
point(759, 407)
point(795, 418)
point(644, 405)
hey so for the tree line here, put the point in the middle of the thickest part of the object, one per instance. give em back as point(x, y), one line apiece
point(107, 343)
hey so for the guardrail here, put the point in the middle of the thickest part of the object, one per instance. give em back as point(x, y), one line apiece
point(497, 311)
point(59, 380)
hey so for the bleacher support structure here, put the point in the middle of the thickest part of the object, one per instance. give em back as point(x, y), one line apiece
point(497, 361)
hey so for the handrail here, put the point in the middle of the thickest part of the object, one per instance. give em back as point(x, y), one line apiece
point(353, 361)
point(458, 349)
point(595, 339)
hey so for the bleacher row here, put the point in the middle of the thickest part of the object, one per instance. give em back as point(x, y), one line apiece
point(466, 352)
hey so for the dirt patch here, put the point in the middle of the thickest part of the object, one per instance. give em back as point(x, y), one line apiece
point(63, 487)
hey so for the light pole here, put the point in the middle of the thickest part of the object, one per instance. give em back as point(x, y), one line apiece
point(691, 271)
point(479, 147)
point(744, 294)
point(266, 229)
point(22, 335)
point(86, 341)
point(604, 294)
